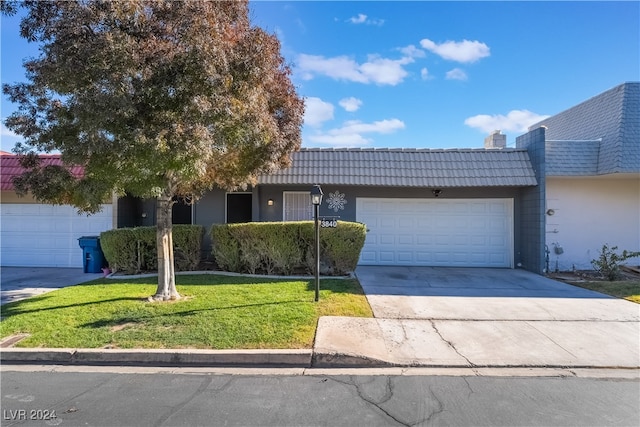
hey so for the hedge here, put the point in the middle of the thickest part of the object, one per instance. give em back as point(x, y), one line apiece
point(286, 247)
point(133, 250)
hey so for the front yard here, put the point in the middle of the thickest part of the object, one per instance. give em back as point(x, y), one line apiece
point(217, 312)
point(627, 287)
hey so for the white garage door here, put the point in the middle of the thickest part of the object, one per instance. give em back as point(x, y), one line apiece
point(36, 235)
point(437, 232)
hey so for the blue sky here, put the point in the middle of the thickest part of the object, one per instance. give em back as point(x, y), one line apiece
point(424, 74)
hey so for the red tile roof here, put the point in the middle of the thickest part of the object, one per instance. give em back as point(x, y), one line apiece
point(10, 167)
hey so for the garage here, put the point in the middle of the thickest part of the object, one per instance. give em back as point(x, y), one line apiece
point(40, 235)
point(437, 232)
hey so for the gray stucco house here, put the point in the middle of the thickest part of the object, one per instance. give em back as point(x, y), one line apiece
point(492, 207)
point(459, 207)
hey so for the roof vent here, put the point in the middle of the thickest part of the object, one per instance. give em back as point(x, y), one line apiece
point(496, 140)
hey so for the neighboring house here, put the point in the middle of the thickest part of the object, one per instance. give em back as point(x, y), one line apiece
point(589, 156)
point(33, 234)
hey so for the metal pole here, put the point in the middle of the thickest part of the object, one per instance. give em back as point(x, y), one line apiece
point(317, 252)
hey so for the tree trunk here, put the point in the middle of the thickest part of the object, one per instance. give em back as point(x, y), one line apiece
point(164, 242)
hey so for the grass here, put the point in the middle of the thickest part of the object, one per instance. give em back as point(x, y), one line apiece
point(627, 289)
point(217, 312)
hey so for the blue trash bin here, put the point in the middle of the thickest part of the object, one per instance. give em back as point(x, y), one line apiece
point(92, 256)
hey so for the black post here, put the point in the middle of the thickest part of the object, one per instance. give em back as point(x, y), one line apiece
point(317, 252)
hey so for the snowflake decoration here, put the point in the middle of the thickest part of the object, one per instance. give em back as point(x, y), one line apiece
point(336, 201)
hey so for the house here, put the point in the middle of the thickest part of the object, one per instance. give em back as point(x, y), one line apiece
point(33, 234)
point(458, 207)
point(589, 156)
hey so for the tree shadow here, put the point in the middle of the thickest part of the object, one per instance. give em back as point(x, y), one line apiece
point(185, 313)
point(14, 308)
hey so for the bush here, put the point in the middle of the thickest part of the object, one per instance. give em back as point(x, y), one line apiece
point(133, 250)
point(286, 247)
point(608, 263)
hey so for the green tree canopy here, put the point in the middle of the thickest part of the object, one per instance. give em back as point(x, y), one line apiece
point(153, 98)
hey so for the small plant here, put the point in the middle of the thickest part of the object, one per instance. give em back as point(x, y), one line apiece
point(608, 263)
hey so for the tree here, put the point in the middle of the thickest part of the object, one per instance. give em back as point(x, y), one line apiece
point(153, 98)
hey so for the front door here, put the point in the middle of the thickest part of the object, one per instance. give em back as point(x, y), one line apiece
point(239, 207)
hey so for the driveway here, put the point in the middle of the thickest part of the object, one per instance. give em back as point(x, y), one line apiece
point(484, 294)
point(17, 283)
point(477, 317)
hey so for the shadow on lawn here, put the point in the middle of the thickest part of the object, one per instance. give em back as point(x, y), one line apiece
point(341, 286)
point(14, 308)
point(122, 320)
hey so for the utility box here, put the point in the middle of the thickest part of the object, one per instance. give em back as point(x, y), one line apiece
point(92, 256)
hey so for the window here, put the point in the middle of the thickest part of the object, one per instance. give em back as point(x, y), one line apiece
point(297, 206)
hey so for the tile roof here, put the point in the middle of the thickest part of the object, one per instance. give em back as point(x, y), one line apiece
point(408, 168)
point(613, 117)
point(10, 167)
point(572, 158)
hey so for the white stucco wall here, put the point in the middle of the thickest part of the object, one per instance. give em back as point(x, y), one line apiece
point(589, 212)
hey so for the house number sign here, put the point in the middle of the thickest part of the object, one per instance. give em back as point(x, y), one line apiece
point(328, 223)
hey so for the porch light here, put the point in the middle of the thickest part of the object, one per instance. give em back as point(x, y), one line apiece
point(316, 195)
point(270, 202)
point(316, 199)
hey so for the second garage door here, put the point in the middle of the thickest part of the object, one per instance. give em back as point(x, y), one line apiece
point(38, 235)
point(437, 232)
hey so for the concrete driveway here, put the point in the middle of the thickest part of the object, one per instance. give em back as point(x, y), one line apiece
point(477, 317)
point(17, 283)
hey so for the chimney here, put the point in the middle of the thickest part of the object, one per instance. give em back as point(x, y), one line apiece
point(496, 140)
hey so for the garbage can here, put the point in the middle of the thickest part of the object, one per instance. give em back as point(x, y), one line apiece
point(92, 256)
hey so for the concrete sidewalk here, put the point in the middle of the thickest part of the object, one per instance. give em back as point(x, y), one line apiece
point(480, 318)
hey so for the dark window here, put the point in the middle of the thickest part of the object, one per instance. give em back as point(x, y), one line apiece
point(239, 207)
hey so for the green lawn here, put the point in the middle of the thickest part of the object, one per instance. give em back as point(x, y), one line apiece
point(627, 289)
point(217, 312)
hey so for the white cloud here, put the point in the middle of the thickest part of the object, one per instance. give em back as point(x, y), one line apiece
point(350, 104)
point(377, 70)
point(351, 133)
point(317, 111)
point(456, 74)
point(412, 51)
point(424, 73)
point(361, 18)
point(464, 51)
point(514, 121)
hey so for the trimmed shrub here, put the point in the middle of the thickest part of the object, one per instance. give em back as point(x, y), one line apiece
point(133, 250)
point(286, 247)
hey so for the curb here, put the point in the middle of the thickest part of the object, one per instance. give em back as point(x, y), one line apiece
point(140, 357)
point(279, 358)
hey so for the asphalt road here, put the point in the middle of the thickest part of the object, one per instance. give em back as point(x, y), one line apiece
point(165, 399)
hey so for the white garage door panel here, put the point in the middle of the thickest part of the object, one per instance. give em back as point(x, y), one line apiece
point(35, 235)
point(456, 233)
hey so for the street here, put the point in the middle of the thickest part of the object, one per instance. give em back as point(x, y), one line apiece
point(110, 398)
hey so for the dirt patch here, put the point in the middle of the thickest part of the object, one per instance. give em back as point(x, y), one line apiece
point(12, 340)
point(122, 326)
point(578, 276)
